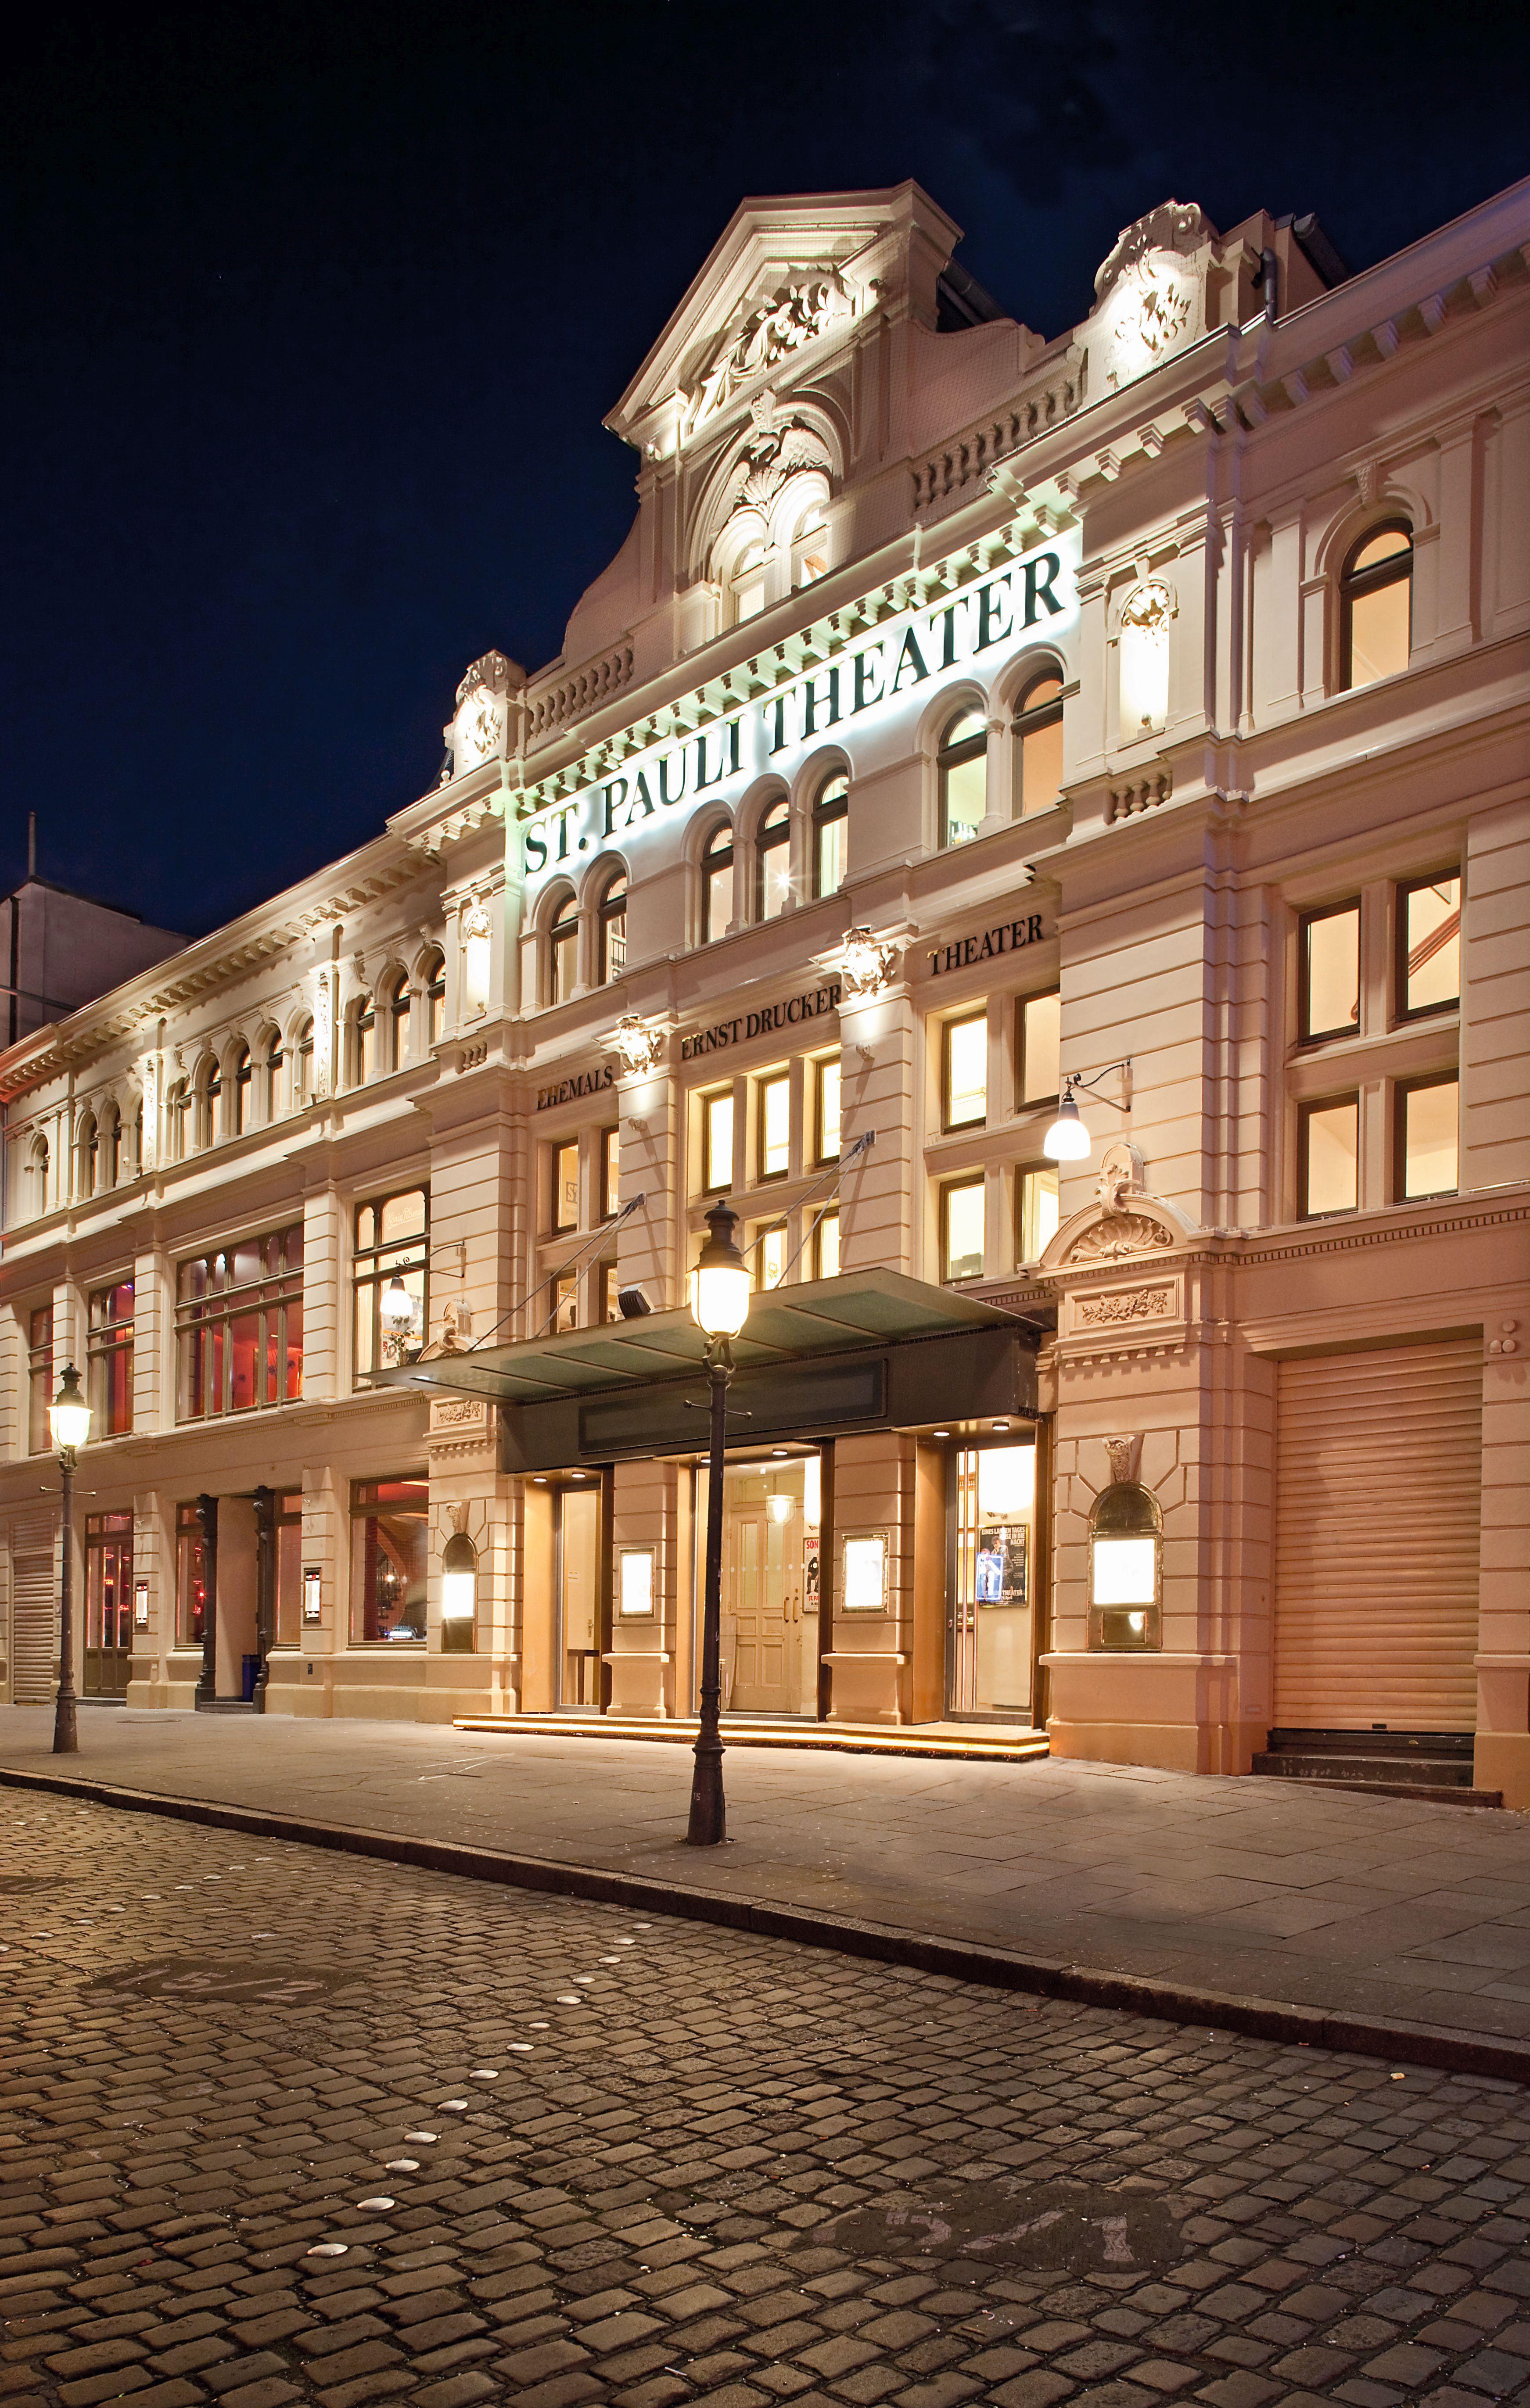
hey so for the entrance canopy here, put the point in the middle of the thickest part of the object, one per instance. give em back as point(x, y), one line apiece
point(830, 1352)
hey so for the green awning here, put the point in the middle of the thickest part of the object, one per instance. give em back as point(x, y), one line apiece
point(859, 1309)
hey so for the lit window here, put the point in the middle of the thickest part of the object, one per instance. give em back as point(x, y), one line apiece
point(1376, 602)
point(1428, 947)
point(769, 1256)
point(191, 1576)
point(1330, 973)
point(1145, 662)
point(610, 1292)
point(963, 766)
point(1038, 744)
point(212, 1090)
point(748, 583)
point(433, 973)
point(1041, 1048)
point(775, 1127)
point(565, 1302)
point(565, 1213)
point(238, 1108)
point(772, 862)
point(1038, 1219)
point(1125, 1562)
point(111, 1148)
point(1328, 1157)
point(614, 929)
point(964, 1080)
point(110, 1355)
point(397, 1007)
point(392, 1246)
point(239, 1326)
point(961, 1229)
point(826, 1247)
point(717, 883)
point(363, 1043)
point(302, 1067)
point(829, 828)
point(611, 1172)
point(389, 1526)
point(275, 1062)
point(563, 950)
point(810, 549)
point(717, 1142)
point(1428, 1117)
point(826, 1127)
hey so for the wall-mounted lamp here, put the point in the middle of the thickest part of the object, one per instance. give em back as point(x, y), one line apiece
point(402, 1315)
point(140, 1605)
point(312, 1593)
point(867, 963)
point(640, 1042)
point(1068, 1139)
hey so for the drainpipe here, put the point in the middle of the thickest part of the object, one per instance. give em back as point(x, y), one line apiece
point(1269, 275)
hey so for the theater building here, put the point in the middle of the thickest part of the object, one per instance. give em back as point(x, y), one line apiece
point(969, 722)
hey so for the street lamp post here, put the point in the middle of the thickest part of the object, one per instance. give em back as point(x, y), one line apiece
point(70, 1417)
point(719, 1299)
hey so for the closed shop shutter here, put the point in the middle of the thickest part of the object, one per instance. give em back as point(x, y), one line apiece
point(1379, 1475)
point(34, 1613)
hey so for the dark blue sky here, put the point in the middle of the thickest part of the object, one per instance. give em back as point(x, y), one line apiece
point(313, 314)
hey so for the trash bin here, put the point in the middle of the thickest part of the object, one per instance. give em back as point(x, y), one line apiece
point(251, 1674)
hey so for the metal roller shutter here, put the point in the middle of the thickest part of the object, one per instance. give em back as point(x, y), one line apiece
point(34, 1613)
point(1379, 1486)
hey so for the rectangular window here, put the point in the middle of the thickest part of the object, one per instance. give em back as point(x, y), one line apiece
point(611, 1173)
point(610, 1292)
point(1041, 1048)
point(769, 1256)
point(717, 1142)
point(109, 1353)
point(388, 1540)
point(1428, 1121)
point(1328, 1157)
point(564, 1213)
point(1329, 1004)
point(961, 1229)
point(964, 1072)
point(1038, 1215)
point(392, 1252)
point(775, 1127)
point(829, 862)
point(108, 1586)
point(826, 1127)
point(239, 1326)
point(1428, 947)
point(190, 1577)
point(39, 1436)
point(289, 1566)
point(565, 1302)
point(826, 1247)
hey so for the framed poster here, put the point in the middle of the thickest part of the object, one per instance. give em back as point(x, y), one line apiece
point(1002, 1571)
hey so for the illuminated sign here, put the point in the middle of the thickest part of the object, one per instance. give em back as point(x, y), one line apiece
point(908, 659)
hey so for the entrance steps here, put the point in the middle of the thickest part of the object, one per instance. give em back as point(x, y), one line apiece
point(960, 1742)
point(1435, 1766)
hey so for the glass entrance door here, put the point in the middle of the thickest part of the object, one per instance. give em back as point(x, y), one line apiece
point(769, 1586)
point(991, 1576)
point(108, 1605)
point(579, 1665)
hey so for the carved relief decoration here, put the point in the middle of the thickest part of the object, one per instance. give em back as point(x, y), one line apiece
point(1148, 291)
point(776, 448)
point(1123, 1454)
point(770, 330)
point(478, 731)
point(323, 1030)
point(1118, 1236)
point(1123, 1307)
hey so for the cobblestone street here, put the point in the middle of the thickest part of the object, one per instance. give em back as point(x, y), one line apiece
point(284, 2127)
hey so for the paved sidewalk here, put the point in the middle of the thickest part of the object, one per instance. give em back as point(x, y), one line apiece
point(1365, 1906)
point(284, 2130)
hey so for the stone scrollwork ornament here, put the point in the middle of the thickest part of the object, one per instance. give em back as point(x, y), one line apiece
point(478, 732)
point(771, 330)
point(776, 448)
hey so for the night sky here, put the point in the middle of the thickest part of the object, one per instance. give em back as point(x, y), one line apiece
point(311, 315)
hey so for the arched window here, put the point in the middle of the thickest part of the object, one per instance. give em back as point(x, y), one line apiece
point(363, 1040)
point(211, 1097)
point(717, 883)
point(275, 1057)
point(239, 1108)
point(177, 1112)
point(1038, 744)
point(137, 1142)
point(398, 1005)
point(1126, 1548)
point(433, 974)
point(830, 830)
point(563, 950)
point(39, 1177)
point(746, 586)
point(773, 861)
point(302, 1065)
point(90, 1150)
point(810, 548)
point(614, 928)
point(1145, 662)
point(963, 768)
point(1376, 606)
point(111, 1148)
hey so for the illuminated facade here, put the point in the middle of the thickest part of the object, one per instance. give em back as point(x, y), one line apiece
point(968, 720)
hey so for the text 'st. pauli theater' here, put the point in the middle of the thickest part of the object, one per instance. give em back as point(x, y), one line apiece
point(975, 731)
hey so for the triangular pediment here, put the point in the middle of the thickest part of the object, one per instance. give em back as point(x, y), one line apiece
point(785, 281)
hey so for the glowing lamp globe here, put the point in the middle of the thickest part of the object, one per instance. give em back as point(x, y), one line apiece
point(398, 1308)
point(719, 1284)
point(1067, 1140)
point(69, 1413)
